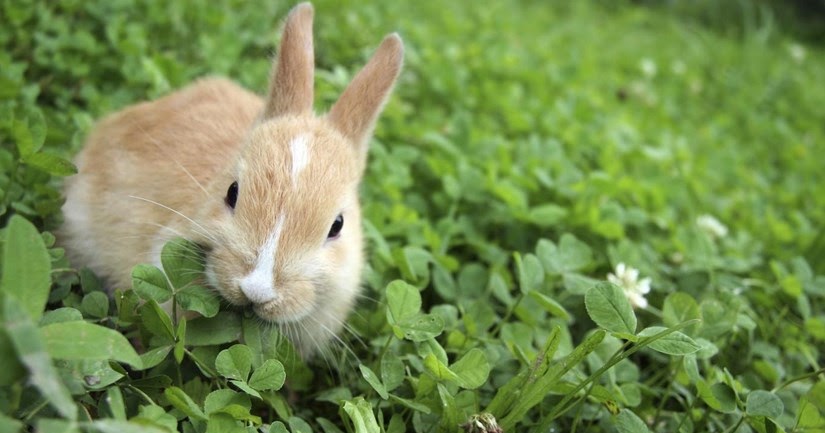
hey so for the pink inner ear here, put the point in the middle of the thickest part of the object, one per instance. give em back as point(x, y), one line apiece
point(293, 74)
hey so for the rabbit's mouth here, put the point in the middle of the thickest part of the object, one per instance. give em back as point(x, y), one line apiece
point(293, 302)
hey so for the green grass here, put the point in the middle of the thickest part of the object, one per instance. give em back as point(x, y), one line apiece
point(528, 150)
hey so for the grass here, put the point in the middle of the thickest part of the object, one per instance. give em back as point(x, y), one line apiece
point(528, 150)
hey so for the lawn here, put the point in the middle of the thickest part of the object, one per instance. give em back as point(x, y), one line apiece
point(580, 216)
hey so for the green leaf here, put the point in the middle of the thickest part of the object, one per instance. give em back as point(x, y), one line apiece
point(359, 412)
point(114, 403)
point(243, 386)
point(56, 426)
point(11, 425)
point(224, 327)
point(547, 215)
point(223, 423)
point(219, 399)
point(530, 272)
point(569, 256)
point(83, 340)
point(629, 422)
point(96, 305)
point(680, 307)
point(718, 396)
point(200, 299)
point(157, 321)
point(675, 343)
point(764, 403)
point(117, 426)
point(235, 362)
point(422, 327)
point(26, 267)
point(392, 371)
point(472, 369)
point(608, 306)
point(51, 163)
point(32, 352)
point(439, 370)
point(403, 302)
point(550, 305)
point(182, 402)
point(183, 262)
point(374, 381)
point(59, 315)
point(269, 376)
point(150, 283)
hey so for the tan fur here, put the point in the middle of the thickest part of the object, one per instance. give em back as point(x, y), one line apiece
point(162, 169)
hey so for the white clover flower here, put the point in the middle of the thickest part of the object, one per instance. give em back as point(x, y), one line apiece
point(648, 67)
point(628, 279)
point(710, 225)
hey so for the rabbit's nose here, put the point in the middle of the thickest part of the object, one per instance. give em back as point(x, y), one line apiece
point(258, 286)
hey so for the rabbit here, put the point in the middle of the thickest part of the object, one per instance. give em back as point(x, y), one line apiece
point(269, 189)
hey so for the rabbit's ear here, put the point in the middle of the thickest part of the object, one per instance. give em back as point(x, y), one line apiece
point(356, 111)
point(292, 79)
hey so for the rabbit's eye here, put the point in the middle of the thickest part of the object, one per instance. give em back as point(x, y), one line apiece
point(337, 225)
point(232, 195)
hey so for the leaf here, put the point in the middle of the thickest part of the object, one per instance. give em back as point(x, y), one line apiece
point(118, 426)
point(221, 398)
point(374, 381)
point(59, 315)
point(550, 305)
point(150, 283)
point(439, 369)
point(607, 305)
point(629, 422)
point(235, 362)
point(182, 402)
point(569, 256)
point(83, 340)
point(403, 301)
point(96, 305)
point(392, 371)
point(718, 396)
point(422, 327)
point(472, 369)
point(764, 403)
point(224, 327)
point(26, 267)
point(183, 262)
point(10, 425)
point(157, 321)
point(680, 307)
point(269, 376)
point(32, 352)
point(200, 299)
point(547, 215)
point(243, 386)
point(223, 423)
point(56, 426)
point(530, 272)
point(115, 404)
point(359, 412)
point(675, 343)
point(51, 163)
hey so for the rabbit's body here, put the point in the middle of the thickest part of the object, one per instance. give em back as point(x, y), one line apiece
point(266, 187)
point(147, 156)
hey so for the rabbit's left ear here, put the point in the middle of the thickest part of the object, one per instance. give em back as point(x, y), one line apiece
point(355, 113)
point(293, 75)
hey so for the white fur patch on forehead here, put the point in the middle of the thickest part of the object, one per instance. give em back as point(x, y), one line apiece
point(259, 285)
point(299, 150)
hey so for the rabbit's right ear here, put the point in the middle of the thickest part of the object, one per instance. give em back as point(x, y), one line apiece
point(292, 78)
